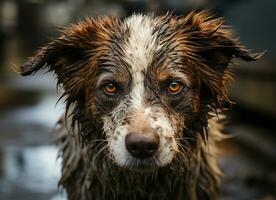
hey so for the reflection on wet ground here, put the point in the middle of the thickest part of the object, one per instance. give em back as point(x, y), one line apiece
point(30, 173)
point(29, 168)
point(246, 178)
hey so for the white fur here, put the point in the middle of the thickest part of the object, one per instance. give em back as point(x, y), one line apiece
point(139, 49)
point(116, 133)
point(138, 53)
point(164, 130)
point(141, 44)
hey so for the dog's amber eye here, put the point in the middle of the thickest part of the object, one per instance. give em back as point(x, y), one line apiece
point(175, 87)
point(110, 88)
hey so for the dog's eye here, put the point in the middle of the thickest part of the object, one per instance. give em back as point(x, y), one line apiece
point(110, 88)
point(174, 87)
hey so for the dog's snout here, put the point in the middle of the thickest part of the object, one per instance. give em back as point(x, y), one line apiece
point(142, 145)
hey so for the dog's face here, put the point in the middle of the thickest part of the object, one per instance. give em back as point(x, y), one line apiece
point(148, 81)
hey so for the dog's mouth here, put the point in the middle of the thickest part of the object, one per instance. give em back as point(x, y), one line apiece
point(142, 165)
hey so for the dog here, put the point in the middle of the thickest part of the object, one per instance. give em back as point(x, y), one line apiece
point(142, 99)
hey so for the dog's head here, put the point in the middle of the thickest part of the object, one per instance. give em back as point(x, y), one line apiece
point(147, 82)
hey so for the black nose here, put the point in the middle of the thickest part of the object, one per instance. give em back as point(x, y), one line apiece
point(142, 145)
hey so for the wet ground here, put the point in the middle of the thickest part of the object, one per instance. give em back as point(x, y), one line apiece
point(29, 168)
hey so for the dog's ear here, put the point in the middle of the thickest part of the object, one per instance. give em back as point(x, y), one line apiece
point(61, 52)
point(73, 55)
point(214, 46)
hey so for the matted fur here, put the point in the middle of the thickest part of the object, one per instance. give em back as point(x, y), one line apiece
point(84, 177)
point(142, 53)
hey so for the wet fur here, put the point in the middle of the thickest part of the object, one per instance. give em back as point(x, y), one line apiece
point(198, 45)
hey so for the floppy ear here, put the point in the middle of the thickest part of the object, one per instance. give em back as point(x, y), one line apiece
point(64, 54)
point(78, 43)
point(46, 56)
point(214, 46)
point(72, 56)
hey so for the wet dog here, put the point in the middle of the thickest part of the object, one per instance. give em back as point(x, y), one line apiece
point(140, 96)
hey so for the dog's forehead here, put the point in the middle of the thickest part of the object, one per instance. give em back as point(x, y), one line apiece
point(142, 43)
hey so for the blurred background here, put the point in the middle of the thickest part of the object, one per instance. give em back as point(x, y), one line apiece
point(29, 168)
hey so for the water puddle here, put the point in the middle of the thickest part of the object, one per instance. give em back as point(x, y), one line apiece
point(30, 171)
point(29, 168)
point(46, 113)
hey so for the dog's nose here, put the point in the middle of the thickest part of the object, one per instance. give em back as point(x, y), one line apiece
point(142, 145)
